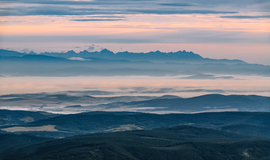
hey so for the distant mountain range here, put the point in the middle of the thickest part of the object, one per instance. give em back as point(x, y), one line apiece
point(156, 56)
point(108, 63)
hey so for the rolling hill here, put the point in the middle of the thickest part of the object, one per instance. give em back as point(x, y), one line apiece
point(10, 141)
point(84, 101)
point(98, 122)
point(247, 129)
point(8, 117)
point(181, 142)
point(209, 102)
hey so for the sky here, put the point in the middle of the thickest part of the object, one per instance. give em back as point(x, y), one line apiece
point(215, 29)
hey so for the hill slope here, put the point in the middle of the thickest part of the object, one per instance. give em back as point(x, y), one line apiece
point(96, 122)
point(75, 102)
point(11, 141)
point(182, 142)
point(203, 103)
point(8, 117)
point(253, 130)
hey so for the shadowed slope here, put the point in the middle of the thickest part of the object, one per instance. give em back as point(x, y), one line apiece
point(182, 142)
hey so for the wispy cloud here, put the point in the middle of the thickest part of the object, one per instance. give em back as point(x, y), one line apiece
point(109, 2)
point(245, 17)
point(177, 4)
point(76, 2)
point(63, 7)
point(169, 11)
point(107, 16)
point(159, 7)
point(51, 10)
point(145, 90)
point(87, 20)
point(207, 76)
point(69, 10)
point(77, 59)
point(189, 36)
